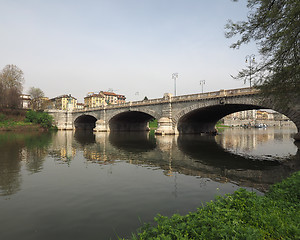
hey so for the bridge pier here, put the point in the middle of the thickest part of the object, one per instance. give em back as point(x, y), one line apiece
point(65, 121)
point(164, 127)
point(101, 126)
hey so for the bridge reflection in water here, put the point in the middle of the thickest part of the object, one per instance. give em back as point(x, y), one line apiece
point(247, 159)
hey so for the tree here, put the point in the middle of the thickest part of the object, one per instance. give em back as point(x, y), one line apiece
point(11, 86)
point(275, 26)
point(36, 98)
point(36, 93)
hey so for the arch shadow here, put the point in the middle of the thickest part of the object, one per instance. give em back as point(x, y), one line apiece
point(137, 142)
point(206, 150)
point(130, 121)
point(203, 120)
point(85, 122)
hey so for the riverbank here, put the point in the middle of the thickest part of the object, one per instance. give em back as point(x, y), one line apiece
point(20, 121)
point(241, 215)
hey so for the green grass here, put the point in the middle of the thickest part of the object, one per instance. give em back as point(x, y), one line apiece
point(221, 126)
point(241, 215)
point(12, 124)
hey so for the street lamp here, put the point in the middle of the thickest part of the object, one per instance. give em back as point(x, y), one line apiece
point(174, 76)
point(251, 60)
point(202, 82)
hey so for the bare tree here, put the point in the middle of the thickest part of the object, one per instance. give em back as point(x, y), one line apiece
point(11, 86)
point(36, 93)
point(36, 97)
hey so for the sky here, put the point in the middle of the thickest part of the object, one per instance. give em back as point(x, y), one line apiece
point(129, 46)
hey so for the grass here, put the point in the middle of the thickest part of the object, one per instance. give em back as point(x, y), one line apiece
point(222, 126)
point(241, 215)
point(7, 123)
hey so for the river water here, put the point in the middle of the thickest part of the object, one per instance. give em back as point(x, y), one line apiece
point(82, 185)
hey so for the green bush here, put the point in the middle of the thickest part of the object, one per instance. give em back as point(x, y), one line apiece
point(241, 215)
point(42, 118)
point(153, 123)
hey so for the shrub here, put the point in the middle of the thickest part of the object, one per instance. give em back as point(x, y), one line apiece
point(42, 118)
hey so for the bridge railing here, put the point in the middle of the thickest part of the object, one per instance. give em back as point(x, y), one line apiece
point(197, 96)
point(221, 93)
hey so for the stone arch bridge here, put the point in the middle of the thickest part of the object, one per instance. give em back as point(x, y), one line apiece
point(196, 113)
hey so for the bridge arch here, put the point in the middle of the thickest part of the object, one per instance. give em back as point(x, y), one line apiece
point(130, 121)
point(85, 122)
point(200, 118)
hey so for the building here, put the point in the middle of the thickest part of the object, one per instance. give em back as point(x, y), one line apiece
point(263, 115)
point(93, 100)
point(242, 115)
point(113, 98)
point(25, 101)
point(80, 106)
point(256, 117)
point(64, 102)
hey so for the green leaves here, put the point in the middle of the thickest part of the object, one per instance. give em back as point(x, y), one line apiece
point(274, 25)
point(42, 118)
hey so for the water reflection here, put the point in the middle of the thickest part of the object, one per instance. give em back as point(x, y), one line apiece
point(270, 143)
point(251, 158)
point(238, 155)
point(19, 150)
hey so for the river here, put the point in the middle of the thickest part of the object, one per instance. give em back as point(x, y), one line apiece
point(83, 185)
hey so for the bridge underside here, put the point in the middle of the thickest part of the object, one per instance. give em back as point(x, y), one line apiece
point(204, 120)
point(130, 121)
point(85, 122)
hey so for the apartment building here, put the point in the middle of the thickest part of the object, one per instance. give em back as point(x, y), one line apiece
point(64, 102)
point(94, 100)
point(113, 98)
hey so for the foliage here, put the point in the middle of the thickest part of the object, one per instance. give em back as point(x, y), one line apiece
point(42, 118)
point(242, 215)
point(274, 25)
point(153, 123)
point(11, 85)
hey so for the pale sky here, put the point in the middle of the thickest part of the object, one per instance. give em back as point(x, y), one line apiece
point(130, 46)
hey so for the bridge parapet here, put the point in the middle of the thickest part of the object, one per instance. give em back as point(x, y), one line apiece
point(216, 94)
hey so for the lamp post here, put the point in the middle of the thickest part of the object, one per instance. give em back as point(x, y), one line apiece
point(202, 82)
point(251, 60)
point(174, 76)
